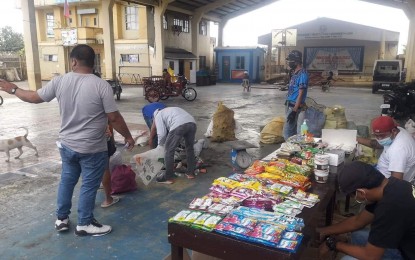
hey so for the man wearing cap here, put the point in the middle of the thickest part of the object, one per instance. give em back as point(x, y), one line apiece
point(297, 93)
point(390, 211)
point(398, 156)
point(171, 125)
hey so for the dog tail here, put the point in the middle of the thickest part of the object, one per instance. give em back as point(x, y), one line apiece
point(27, 131)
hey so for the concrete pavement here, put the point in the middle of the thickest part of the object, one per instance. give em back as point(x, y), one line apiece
point(28, 185)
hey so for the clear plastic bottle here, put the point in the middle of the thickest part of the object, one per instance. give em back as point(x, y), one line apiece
point(304, 128)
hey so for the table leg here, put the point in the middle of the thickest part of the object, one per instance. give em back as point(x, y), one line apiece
point(347, 203)
point(176, 252)
point(330, 209)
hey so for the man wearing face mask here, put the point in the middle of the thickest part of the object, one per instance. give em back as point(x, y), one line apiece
point(398, 156)
point(297, 93)
point(390, 211)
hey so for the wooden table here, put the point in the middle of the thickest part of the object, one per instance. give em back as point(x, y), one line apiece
point(225, 247)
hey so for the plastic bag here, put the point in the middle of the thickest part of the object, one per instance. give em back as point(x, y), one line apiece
point(122, 179)
point(116, 158)
point(315, 121)
point(272, 132)
point(149, 163)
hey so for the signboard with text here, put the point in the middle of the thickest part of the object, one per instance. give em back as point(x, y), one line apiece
point(334, 58)
point(69, 37)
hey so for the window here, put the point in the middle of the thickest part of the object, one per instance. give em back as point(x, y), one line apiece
point(171, 65)
point(186, 26)
point(50, 22)
point(183, 23)
point(203, 28)
point(131, 58)
point(202, 62)
point(131, 19)
point(50, 57)
point(240, 62)
point(97, 63)
point(165, 24)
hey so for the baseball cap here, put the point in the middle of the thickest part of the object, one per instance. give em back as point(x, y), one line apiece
point(294, 55)
point(358, 175)
point(383, 124)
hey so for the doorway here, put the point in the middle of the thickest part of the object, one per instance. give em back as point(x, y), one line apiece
point(226, 68)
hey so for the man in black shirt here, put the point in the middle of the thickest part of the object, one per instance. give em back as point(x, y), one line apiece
point(390, 210)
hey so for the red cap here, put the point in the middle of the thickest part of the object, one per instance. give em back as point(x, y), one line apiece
point(383, 124)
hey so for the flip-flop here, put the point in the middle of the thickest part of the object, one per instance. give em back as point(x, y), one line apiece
point(114, 201)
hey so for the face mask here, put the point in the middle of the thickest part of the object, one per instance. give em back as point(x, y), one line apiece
point(292, 64)
point(386, 141)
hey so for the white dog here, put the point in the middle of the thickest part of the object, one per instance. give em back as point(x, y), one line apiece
point(17, 142)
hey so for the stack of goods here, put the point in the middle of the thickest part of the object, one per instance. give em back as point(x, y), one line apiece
point(262, 205)
point(253, 208)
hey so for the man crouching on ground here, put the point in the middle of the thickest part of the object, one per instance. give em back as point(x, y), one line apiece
point(171, 125)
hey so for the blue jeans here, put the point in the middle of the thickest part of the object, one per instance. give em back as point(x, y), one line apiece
point(91, 168)
point(360, 238)
point(293, 127)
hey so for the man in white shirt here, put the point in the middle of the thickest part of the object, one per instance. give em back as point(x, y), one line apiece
point(171, 125)
point(398, 156)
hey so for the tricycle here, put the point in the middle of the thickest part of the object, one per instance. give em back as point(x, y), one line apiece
point(157, 88)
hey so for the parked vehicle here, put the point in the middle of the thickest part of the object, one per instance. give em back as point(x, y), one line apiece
point(400, 103)
point(156, 88)
point(387, 74)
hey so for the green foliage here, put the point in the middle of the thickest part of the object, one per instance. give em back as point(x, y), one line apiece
point(10, 41)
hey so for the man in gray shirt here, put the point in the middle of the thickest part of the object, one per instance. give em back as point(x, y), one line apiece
point(171, 125)
point(86, 105)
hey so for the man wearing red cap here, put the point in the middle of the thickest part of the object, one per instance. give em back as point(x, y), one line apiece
point(398, 156)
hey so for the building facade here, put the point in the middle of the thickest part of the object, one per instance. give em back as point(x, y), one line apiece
point(332, 45)
point(133, 38)
point(232, 62)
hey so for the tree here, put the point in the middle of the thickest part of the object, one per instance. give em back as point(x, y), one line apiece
point(10, 41)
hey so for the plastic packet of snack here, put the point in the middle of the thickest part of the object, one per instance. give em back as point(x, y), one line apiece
point(196, 203)
point(206, 203)
point(181, 216)
point(215, 207)
point(292, 235)
point(289, 245)
point(192, 217)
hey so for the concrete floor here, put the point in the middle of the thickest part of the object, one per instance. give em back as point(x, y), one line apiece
point(28, 185)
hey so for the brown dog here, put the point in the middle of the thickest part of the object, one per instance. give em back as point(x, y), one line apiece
point(17, 142)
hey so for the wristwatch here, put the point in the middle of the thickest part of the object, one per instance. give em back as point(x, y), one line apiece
point(331, 243)
point(14, 90)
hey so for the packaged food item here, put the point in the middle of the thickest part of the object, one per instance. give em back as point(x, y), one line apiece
point(257, 167)
point(181, 216)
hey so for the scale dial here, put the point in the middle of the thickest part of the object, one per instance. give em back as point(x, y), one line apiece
point(243, 159)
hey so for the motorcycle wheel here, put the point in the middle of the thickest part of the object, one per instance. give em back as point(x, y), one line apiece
point(1, 100)
point(164, 93)
point(152, 95)
point(189, 94)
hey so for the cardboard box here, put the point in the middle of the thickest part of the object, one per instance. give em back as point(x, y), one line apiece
point(336, 156)
point(343, 139)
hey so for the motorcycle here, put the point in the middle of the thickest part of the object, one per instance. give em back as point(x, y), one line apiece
point(157, 89)
point(400, 103)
